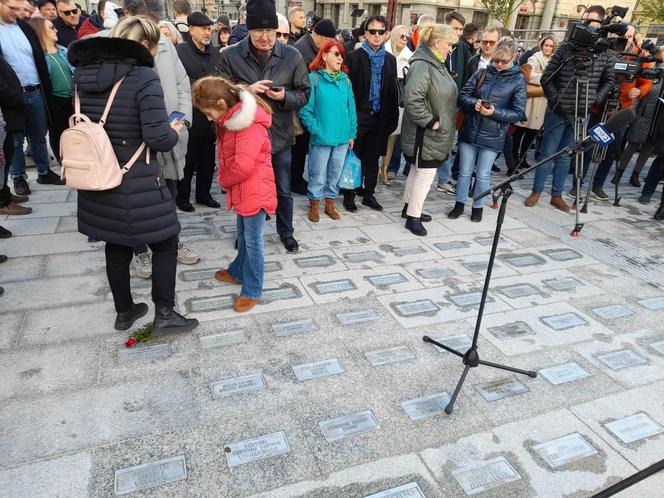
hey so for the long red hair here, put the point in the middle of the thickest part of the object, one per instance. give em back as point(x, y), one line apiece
point(318, 63)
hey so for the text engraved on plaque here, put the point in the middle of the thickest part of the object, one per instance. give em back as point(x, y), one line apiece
point(223, 339)
point(256, 448)
point(149, 475)
point(493, 391)
point(315, 370)
point(139, 353)
point(427, 406)
point(388, 279)
point(334, 286)
point(390, 355)
point(567, 372)
point(237, 385)
point(564, 321)
point(482, 476)
point(349, 425)
point(617, 360)
point(634, 428)
point(563, 450)
point(295, 327)
point(410, 490)
point(355, 317)
point(612, 312)
point(413, 308)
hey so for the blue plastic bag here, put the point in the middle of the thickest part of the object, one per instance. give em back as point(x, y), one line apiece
point(351, 173)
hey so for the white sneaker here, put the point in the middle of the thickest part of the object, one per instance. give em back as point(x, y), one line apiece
point(447, 187)
point(142, 265)
point(185, 256)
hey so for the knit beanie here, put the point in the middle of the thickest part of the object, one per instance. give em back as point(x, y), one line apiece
point(262, 14)
point(325, 27)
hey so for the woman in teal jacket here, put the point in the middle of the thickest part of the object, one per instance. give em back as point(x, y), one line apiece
point(331, 120)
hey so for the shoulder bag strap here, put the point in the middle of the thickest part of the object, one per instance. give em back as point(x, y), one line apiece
point(480, 81)
point(111, 97)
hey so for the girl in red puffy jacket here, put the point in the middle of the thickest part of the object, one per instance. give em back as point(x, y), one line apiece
point(245, 173)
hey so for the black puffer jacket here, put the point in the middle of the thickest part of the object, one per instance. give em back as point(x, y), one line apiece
point(306, 46)
point(11, 98)
point(560, 90)
point(285, 68)
point(140, 210)
point(639, 129)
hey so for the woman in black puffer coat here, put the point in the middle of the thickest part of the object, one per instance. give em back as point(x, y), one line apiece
point(141, 209)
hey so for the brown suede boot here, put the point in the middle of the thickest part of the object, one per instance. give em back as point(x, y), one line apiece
point(313, 211)
point(532, 199)
point(329, 209)
point(243, 304)
point(223, 276)
point(559, 203)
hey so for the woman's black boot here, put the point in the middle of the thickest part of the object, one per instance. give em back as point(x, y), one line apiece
point(415, 226)
point(476, 215)
point(425, 218)
point(457, 211)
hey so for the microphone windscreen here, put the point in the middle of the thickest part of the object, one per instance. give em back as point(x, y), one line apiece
point(620, 120)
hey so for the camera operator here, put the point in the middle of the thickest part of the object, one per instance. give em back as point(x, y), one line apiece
point(630, 90)
point(559, 82)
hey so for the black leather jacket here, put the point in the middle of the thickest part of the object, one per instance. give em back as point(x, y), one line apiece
point(285, 68)
point(560, 89)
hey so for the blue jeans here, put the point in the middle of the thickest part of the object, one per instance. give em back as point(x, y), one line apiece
point(478, 158)
point(445, 170)
point(395, 161)
point(558, 134)
point(247, 267)
point(36, 126)
point(325, 165)
point(281, 164)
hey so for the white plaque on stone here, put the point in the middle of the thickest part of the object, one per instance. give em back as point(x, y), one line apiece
point(519, 290)
point(459, 342)
point(567, 372)
point(563, 450)
point(212, 303)
point(654, 303)
point(564, 321)
point(493, 391)
point(396, 354)
point(427, 406)
point(355, 317)
point(563, 283)
point(349, 425)
point(317, 369)
point(237, 385)
point(658, 346)
point(295, 327)
point(202, 274)
point(612, 312)
point(634, 428)
point(150, 475)
point(562, 254)
point(223, 339)
point(277, 293)
point(451, 246)
point(617, 360)
point(523, 260)
point(363, 257)
point(334, 287)
point(467, 299)
point(511, 330)
point(478, 266)
point(407, 251)
point(421, 307)
point(482, 476)
point(433, 273)
point(256, 448)
point(388, 279)
point(410, 490)
point(314, 261)
point(139, 353)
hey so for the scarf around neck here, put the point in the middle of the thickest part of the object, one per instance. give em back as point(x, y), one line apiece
point(377, 59)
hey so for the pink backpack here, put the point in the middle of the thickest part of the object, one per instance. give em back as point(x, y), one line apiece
point(87, 157)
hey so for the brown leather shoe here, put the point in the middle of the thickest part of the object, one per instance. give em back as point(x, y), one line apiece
point(559, 203)
point(223, 276)
point(243, 304)
point(330, 210)
point(314, 216)
point(19, 199)
point(532, 199)
point(15, 209)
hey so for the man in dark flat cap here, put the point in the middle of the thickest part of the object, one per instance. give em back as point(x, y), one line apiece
point(199, 59)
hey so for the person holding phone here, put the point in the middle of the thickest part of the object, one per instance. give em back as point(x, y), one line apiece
point(499, 101)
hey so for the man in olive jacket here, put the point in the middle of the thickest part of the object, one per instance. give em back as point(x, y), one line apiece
point(277, 72)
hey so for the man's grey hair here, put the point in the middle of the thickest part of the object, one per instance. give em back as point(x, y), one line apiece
point(153, 9)
point(425, 20)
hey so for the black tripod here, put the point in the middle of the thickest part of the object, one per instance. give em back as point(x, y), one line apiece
point(471, 358)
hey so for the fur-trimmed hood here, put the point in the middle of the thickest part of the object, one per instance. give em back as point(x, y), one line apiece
point(246, 112)
point(112, 58)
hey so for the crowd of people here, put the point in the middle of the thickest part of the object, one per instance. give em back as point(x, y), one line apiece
point(275, 105)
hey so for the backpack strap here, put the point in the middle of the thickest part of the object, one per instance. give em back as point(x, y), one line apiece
point(135, 157)
point(111, 98)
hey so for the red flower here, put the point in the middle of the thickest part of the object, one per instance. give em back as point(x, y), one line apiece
point(130, 342)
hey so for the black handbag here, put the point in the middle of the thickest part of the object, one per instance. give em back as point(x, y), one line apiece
point(401, 88)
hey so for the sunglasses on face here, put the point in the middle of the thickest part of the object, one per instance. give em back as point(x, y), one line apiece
point(71, 12)
point(488, 42)
point(403, 36)
point(336, 54)
point(376, 31)
point(282, 35)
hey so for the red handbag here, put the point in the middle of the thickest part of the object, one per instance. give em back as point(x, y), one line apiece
point(460, 115)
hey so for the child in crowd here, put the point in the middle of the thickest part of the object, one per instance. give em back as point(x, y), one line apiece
point(245, 173)
point(332, 122)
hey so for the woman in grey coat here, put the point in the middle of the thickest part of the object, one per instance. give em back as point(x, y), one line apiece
point(427, 132)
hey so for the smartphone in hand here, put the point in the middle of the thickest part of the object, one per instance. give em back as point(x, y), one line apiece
point(276, 88)
point(486, 104)
point(176, 116)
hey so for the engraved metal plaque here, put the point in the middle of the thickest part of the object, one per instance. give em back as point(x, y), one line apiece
point(433, 273)
point(520, 290)
point(413, 308)
point(202, 274)
point(467, 299)
point(617, 360)
point(192, 231)
point(150, 475)
point(256, 448)
point(479, 266)
point(486, 241)
point(212, 303)
point(315, 261)
point(567, 372)
point(481, 476)
point(138, 353)
point(284, 292)
point(315, 370)
point(349, 425)
point(272, 266)
point(410, 490)
point(634, 428)
point(237, 385)
point(223, 339)
point(654, 303)
point(228, 229)
point(564, 321)
point(511, 330)
point(355, 317)
point(363, 257)
point(334, 286)
point(459, 342)
point(426, 406)
point(562, 254)
point(563, 283)
point(296, 327)
point(390, 355)
point(658, 346)
point(612, 312)
point(388, 279)
point(451, 246)
point(407, 251)
point(523, 260)
point(493, 391)
point(563, 450)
